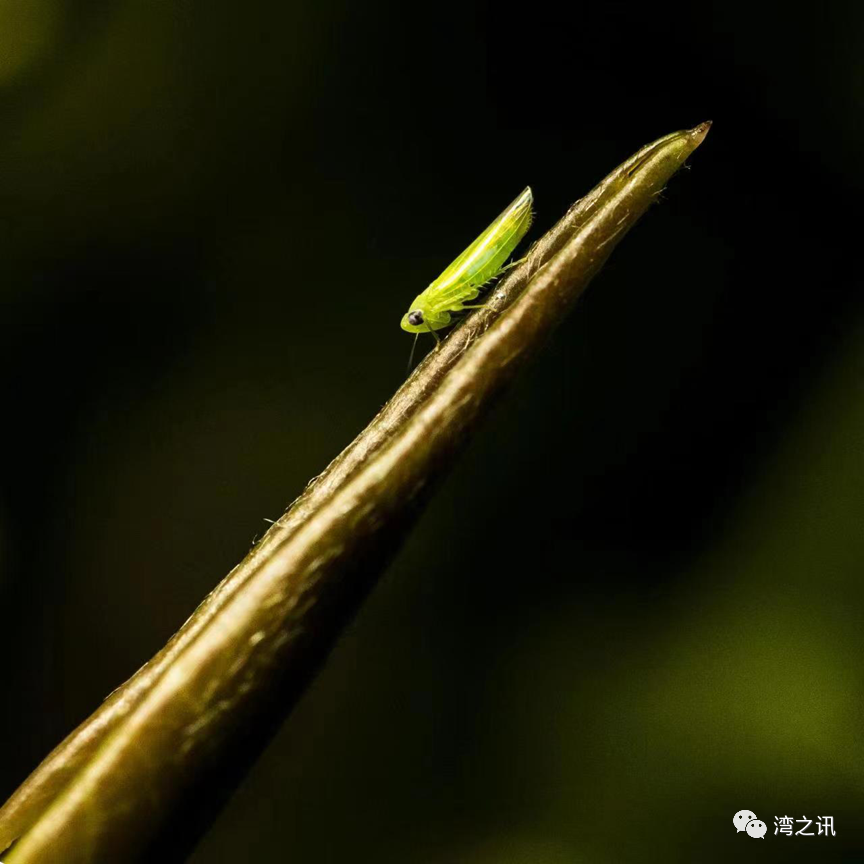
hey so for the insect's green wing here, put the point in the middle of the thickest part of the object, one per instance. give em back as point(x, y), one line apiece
point(483, 258)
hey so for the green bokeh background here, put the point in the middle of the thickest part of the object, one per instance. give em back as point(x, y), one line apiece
point(636, 606)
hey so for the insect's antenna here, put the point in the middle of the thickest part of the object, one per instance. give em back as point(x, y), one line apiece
point(411, 357)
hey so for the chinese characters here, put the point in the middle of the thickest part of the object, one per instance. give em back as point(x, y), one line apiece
point(785, 825)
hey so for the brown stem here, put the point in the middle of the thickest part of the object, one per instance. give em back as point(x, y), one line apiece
point(241, 661)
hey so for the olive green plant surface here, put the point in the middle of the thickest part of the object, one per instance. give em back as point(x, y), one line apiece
point(137, 776)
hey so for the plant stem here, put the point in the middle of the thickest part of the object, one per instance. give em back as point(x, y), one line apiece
point(139, 768)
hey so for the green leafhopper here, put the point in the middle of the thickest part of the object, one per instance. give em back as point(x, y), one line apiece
point(462, 280)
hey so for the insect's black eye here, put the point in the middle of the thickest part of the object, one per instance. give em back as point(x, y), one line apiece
point(415, 318)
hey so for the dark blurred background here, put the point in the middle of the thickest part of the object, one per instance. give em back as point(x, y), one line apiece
point(636, 606)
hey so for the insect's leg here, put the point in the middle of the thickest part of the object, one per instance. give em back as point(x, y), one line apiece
point(466, 306)
point(511, 265)
point(437, 337)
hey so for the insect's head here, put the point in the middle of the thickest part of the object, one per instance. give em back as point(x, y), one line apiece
point(415, 320)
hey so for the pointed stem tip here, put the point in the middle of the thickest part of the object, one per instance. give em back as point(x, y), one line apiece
point(699, 132)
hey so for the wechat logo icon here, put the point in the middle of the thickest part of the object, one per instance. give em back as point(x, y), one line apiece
point(746, 820)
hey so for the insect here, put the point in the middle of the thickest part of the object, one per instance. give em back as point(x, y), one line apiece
point(462, 280)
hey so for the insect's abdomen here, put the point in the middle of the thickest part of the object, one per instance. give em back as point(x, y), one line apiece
point(489, 264)
point(483, 259)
